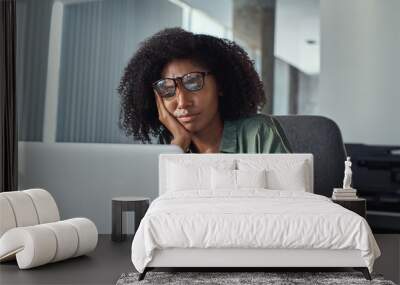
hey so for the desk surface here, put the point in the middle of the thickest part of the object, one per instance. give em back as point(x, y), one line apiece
point(130, 198)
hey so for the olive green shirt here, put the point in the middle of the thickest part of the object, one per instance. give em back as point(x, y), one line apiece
point(254, 134)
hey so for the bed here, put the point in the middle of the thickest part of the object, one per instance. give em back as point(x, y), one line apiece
point(247, 210)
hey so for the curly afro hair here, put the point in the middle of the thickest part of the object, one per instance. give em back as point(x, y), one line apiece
point(234, 72)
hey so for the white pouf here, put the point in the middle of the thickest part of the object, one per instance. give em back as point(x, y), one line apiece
point(31, 232)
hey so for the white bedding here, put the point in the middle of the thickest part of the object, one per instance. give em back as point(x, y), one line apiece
point(250, 218)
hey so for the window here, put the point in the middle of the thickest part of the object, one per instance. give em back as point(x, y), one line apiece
point(71, 56)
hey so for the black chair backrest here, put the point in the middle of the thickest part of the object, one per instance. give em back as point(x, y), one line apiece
point(321, 137)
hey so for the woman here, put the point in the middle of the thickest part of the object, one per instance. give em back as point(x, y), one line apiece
point(199, 92)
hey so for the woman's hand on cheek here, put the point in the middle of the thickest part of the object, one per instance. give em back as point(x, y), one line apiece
point(182, 136)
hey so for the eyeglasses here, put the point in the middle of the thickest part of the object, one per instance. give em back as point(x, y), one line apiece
point(193, 81)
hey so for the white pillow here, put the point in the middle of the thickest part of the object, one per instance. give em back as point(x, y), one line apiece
point(281, 174)
point(190, 176)
point(293, 178)
point(251, 178)
point(223, 179)
point(182, 178)
point(237, 179)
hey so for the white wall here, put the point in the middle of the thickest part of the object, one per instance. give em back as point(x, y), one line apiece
point(308, 93)
point(281, 87)
point(221, 10)
point(295, 23)
point(360, 61)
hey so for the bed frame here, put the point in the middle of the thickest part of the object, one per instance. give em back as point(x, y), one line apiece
point(240, 259)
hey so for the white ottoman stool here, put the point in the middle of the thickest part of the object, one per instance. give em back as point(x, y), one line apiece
point(31, 232)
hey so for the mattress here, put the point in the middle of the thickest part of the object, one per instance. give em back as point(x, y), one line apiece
point(250, 219)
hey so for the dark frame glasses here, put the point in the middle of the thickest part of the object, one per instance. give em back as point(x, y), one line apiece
point(192, 81)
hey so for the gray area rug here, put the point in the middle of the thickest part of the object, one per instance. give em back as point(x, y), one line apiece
point(225, 278)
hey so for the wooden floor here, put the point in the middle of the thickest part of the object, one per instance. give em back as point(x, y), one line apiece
point(102, 266)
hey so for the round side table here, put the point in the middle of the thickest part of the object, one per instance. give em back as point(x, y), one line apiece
point(139, 205)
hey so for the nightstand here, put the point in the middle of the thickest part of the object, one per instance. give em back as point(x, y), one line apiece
point(357, 205)
point(139, 205)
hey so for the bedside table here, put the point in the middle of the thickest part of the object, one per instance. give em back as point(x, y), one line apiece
point(357, 205)
point(139, 205)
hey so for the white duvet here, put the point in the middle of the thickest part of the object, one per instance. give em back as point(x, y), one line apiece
point(251, 218)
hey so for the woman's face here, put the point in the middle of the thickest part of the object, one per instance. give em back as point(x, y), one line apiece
point(201, 106)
